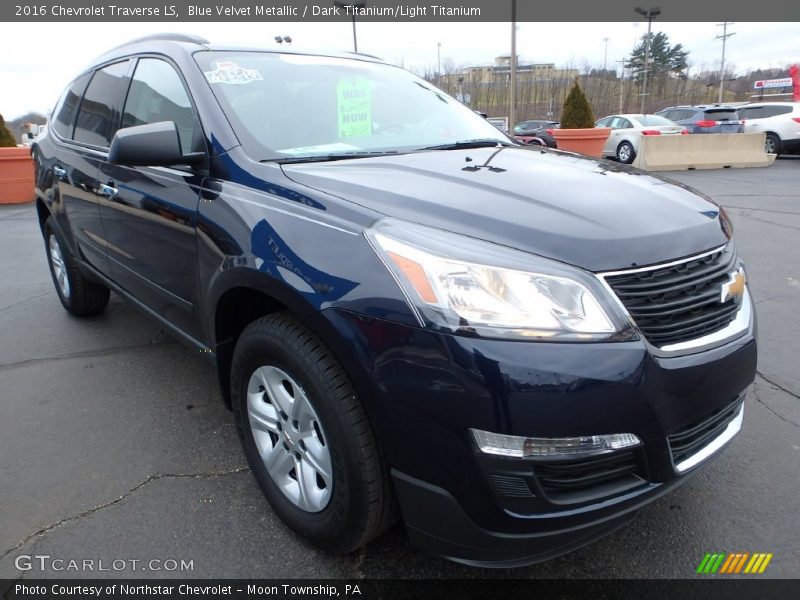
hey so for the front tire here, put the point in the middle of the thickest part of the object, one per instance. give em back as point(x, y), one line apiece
point(306, 436)
point(77, 294)
point(625, 153)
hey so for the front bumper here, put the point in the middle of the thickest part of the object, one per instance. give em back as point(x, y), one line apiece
point(436, 523)
point(424, 390)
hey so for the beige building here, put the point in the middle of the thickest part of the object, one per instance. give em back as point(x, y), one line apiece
point(501, 71)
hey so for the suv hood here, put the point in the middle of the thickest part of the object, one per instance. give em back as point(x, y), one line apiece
point(594, 214)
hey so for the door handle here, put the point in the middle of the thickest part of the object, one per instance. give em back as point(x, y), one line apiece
point(108, 191)
point(60, 173)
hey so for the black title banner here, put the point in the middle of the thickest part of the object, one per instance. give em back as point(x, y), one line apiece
point(392, 10)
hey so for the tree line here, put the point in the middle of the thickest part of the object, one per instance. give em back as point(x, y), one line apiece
point(673, 79)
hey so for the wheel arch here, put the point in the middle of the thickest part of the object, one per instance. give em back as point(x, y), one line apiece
point(239, 297)
point(42, 212)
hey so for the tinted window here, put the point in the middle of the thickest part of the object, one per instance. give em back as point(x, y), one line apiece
point(157, 94)
point(676, 114)
point(64, 121)
point(751, 112)
point(774, 111)
point(99, 112)
point(684, 114)
point(721, 114)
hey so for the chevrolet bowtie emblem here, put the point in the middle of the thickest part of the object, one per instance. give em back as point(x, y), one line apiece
point(734, 287)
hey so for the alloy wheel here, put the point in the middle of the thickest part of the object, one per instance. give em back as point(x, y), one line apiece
point(624, 153)
point(289, 438)
point(59, 267)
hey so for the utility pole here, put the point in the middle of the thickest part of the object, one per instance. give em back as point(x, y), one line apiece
point(724, 37)
point(605, 55)
point(438, 62)
point(649, 14)
point(512, 116)
point(621, 62)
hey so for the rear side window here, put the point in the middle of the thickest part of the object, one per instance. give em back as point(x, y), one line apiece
point(669, 114)
point(774, 111)
point(752, 112)
point(67, 109)
point(99, 113)
point(684, 114)
point(157, 94)
point(620, 123)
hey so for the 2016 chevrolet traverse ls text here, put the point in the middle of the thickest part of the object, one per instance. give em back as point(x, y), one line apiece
point(411, 316)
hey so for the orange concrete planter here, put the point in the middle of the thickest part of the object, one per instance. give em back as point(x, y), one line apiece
point(583, 141)
point(16, 175)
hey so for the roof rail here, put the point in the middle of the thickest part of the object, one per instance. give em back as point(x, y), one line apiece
point(364, 54)
point(171, 37)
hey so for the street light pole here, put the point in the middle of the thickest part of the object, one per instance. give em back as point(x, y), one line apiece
point(353, 6)
point(438, 62)
point(512, 116)
point(649, 14)
point(605, 55)
point(725, 35)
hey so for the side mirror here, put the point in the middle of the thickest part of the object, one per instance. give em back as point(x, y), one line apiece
point(154, 144)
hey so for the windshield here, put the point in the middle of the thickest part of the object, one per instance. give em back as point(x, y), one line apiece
point(287, 106)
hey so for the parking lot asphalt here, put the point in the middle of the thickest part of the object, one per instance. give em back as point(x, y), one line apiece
point(115, 445)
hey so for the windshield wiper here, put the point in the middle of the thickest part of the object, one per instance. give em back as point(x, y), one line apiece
point(328, 157)
point(467, 144)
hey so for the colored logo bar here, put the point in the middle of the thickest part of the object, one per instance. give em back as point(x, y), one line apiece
point(734, 563)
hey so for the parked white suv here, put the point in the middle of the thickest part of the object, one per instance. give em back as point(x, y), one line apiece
point(779, 120)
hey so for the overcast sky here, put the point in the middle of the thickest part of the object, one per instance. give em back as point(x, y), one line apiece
point(35, 66)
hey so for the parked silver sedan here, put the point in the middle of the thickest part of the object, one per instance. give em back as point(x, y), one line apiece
point(627, 132)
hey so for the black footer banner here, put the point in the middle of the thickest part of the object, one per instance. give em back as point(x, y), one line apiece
point(373, 589)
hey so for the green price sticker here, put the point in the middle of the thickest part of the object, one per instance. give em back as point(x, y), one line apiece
point(354, 107)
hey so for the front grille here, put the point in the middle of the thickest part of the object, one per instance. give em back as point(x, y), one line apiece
point(693, 438)
point(680, 302)
point(588, 478)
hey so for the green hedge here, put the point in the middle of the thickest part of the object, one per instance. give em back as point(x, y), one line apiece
point(577, 113)
point(6, 138)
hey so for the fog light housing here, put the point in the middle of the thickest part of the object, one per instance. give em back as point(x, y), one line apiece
point(514, 446)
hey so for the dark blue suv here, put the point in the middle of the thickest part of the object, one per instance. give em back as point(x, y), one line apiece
point(714, 118)
point(511, 349)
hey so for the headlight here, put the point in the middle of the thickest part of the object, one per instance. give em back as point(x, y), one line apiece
point(725, 223)
point(470, 286)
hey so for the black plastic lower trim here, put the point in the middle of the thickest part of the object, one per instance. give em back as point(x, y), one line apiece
point(436, 523)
